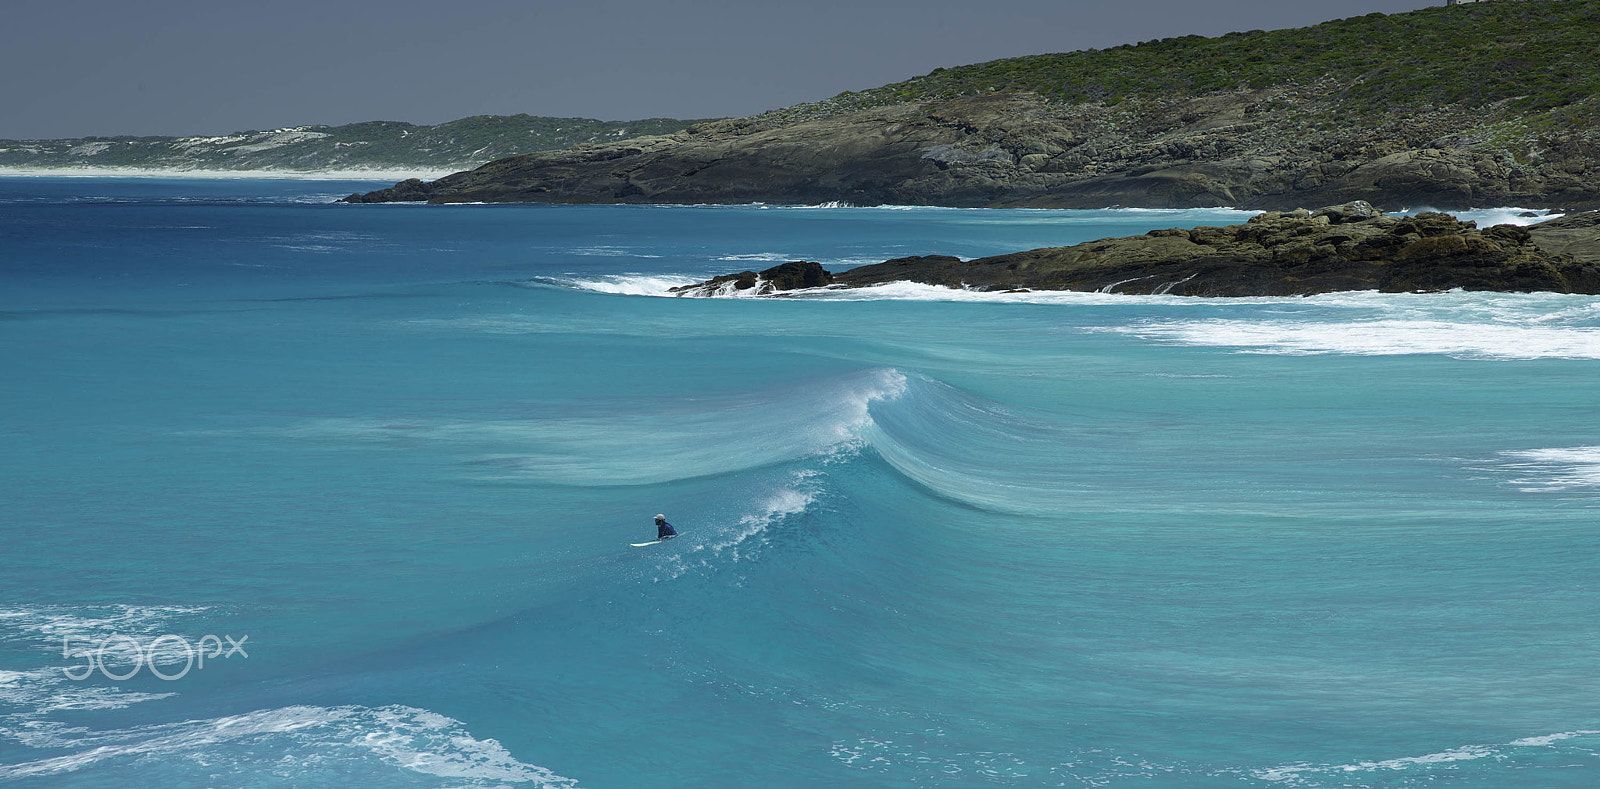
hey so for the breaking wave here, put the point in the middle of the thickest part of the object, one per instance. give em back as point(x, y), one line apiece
point(1488, 217)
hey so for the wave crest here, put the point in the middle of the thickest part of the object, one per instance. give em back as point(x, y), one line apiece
point(685, 439)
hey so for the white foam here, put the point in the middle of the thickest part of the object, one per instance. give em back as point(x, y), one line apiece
point(730, 290)
point(714, 544)
point(31, 694)
point(631, 284)
point(914, 291)
point(1450, 307)
point(412, 739)
point(1508, 215)
point(57, 621)
point(1465, 753)
point(1549, 739)
point(1555, 469)
point(759, 257)
point(603, 251)
point(1461, 340)
point(1296, 773)
point(925, 756)
point(781, 504)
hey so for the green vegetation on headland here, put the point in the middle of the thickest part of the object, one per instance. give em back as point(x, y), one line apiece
point(458, 144)
point(1472, 105)
point(1536, 55)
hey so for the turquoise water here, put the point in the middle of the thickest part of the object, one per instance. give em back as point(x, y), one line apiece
point(930, 538)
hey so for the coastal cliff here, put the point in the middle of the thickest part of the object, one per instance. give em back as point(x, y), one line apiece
point(1486, 104)
point(1296, 253)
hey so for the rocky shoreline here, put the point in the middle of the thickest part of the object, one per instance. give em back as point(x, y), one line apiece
point(1347, 247)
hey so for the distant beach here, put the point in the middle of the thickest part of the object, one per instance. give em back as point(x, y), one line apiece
point(134, 172)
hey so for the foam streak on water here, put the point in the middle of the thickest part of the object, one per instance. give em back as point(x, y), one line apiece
point(1436, 764)
point(1381, 338)
point(1555, 469)
point(362, 741)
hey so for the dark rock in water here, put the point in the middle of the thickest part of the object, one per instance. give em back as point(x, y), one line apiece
point(721, 286)
point(408, 191)
point(1300, 252)
point(796, 275)
point(783, 277)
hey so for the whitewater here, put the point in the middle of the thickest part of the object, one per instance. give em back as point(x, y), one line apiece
point(390, 458)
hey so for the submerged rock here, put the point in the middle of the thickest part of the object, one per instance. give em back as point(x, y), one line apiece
point(1297, 253)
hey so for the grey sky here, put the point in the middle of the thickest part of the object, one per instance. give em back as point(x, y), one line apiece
point(83, 67)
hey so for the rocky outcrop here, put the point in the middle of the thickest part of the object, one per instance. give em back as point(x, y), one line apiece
point(1296, 253)
point(1265, 148)
point(1577, 235)
point(798, 275)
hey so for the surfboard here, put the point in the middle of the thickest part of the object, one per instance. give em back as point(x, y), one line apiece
point(652, 542)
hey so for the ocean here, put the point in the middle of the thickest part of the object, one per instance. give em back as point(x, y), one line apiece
point(297, 494)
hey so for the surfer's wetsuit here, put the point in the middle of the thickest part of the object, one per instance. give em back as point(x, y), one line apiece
point(665, 530)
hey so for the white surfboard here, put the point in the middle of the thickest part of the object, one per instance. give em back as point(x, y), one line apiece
point(652, 542)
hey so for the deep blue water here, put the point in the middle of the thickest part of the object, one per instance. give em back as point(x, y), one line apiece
point(930, 538)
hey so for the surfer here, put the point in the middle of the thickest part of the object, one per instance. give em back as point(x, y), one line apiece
point(664, 529)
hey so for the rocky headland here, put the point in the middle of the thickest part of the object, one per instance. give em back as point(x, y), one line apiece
point(1486, 104)
point(1296, 253)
